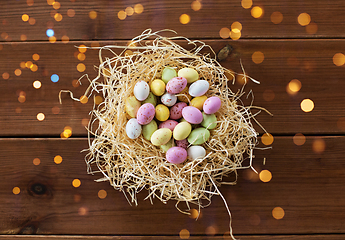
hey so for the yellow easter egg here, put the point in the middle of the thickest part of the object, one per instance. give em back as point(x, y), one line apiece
point(131, 106)
point(184, 96)
point(157, 87)
point(162, 112)
point(198, 102)
point(182, 130)
point(161, 136)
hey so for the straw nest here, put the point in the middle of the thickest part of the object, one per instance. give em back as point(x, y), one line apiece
point(135, 165)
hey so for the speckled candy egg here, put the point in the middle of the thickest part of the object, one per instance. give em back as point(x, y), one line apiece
point(141, 90)
point(168, 99)
point(146, 113)
point(162, 112)
point(189, 73)
point(212, 105)
point(198, 88)
point(161, 136)
point(157, 87)
point(171, 124)
point(176, 155)
point(176, 85)
point(192, 115)
point(133, 128)
point(176, 110)
point(182, 143)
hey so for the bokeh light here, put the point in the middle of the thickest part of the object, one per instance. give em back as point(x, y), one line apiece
point(184, 18)
point(81, 56)
point(36, 161)
point(21, 98)
point(138, 8)
point(28, 64)
point(54, 78)
point(81, 67)
point(129, 11)
point(23, 37)
point(339, 59)
point(92, 14)
point(52, 39)
point(16, 190)
point(102, 194)
point(75, 83)
point(25, 17)
point(268, 95)
point(76, 183)
point(196, 5)
point(17, 72)
point(85, 122)
point(257, 12)
point(224, 32)
point(18, 110)
point(278, 213)
point(265, 176)
point(194, 214)
point(50, 32)
point(84, 99)
point(56, 5)
point(258, 57)
point(211, 231)
point(82, 48)
point(276, 17)
point(34, 68)
point(294, 86)
point(236, 27)
point(50, 2)
point(82, 211)
point(184, 234)
point(4, 35)
point(35, 57)
point(267, 139)
point(40, 116)
point(58, 17)
point(319, 145)
point(307, 105)
point(299, 139)
point(30, 2)
point(32, 21)
point(98, 99)
point(311, 28)
point(55, 110)
point(5, 75)
point(37, 84)
point(255, 220)
point(65, 39)
point(304, 19)
point(122, 15)
point(235, 35)
point(246, 4)
point(70, 12)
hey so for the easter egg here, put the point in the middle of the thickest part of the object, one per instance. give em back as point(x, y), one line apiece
point(189, 73)
point(141, 90)
point(168, 99)
point(196, 152)
point(151, 99)
point(198, 136)
point(209, 121)
point(149, 129)
point(167, 146)
point(157, 87)
point(192, 115)
point(176, 110)
point(171, 124)
point(131, 106)
point(146, 113)
point(168, 73)
point(133, 128)
point(198, 88)
point(176, 85)
point(184, 96)
point(198, 102)
point(176, 155)
point(161, 136)
point(212, 105)
point(182, 143)
point(182, 130)
point(162, 112)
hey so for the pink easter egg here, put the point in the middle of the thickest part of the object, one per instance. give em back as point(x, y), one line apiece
point(146, 113)
point(171, 124)
point(176, 110)
point(212, 105)
point(176, 155)
point(182, 143)
point(192, 115)
point(176, 85)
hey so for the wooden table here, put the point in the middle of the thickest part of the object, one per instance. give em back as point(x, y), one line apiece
point(304, 198)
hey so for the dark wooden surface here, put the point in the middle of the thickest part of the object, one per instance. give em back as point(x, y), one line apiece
point(307, 180)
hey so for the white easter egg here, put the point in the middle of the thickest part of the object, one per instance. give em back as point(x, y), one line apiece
point(168, 99)
point(195, 152)
point(133, 128)
point(141, 90)
point(198, 88)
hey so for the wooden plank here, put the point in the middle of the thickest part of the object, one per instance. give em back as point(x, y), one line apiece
point(307, 185)
point(157, 15)
point(284, 60)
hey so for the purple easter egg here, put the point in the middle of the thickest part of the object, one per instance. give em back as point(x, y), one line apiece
point(212, 105)
point(192, 115)
point(146, 113)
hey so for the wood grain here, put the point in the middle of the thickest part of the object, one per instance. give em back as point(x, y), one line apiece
point(158, 15)
point(307, 185)
point(309, 61)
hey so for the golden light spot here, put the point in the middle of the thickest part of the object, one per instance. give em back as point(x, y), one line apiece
point(184, 18)
point(299, 139)
point(122, 15)
point(278, 213)
point(28, 64)
point(258, 57)
point(255, 220)
point(22, 93)
point(311, 28)
point(235, 35)
point(98, 99)
point(5, 75)
point(319, 145)
point(17, 72)
point(75, 83)
point(95, 44)
point(128, 52)
point(184, 234)
point(67, 128)
point(257, 12)
point(81, 67)
point(4, 35)
point(341, 123)
point(21, 99)
point(81, 56)
point(85, 122)
point(265, 176)
point(276, 17)
point(65, 39)
point(304, 19)
point(76, 197)
point(36, 161)
point(246, 4)
point(67, 133)
point(307, 105)
point(76, 183)
point(267, 139)
point(211, 231)
point(40, 116)
point(82, 211)
point(37, 84)
point(30, 2)
point(55, 110)
point(35, 57)
point(56, 5)
point(240, 79)
point(268, 95)
point(50, 2)
point(22, 65)
point(194, 214)
point(52, 39)
point(236, 27)
point(83, 99)
point(58, 17)
point(70, 12)
point(82, 48)
point(52, 13)
point(32, 21)
point(224, 32)
point(93, 14)
point(250, 175)
point(102, 194)
point(294, 86)
point(196, 5)
point(34, 68)
point(339, 59)
point(16, 190)
point(25, 17)
point(129, 11)
point(18, 110)
point(23, 37)
point(138, 8)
